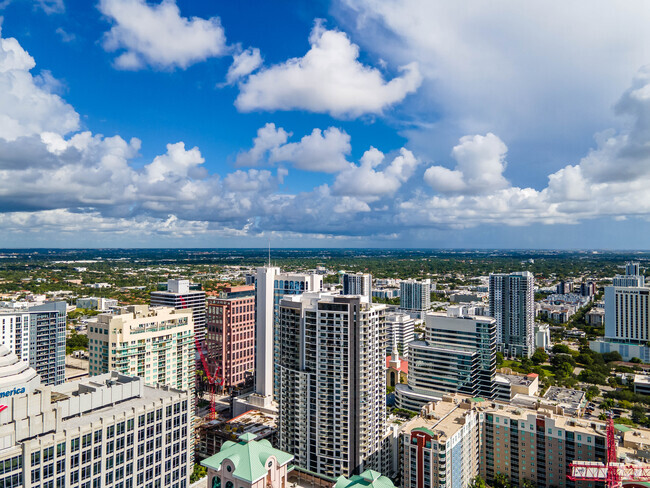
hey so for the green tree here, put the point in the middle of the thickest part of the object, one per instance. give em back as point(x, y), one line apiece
point(561, 349)
point(592, 392)
point(501, 481)
point(539, 356)
point(76, 342)
point(612, 356)
point(639, 415)
point(500, 359)
point(198, 473)
point(477, 482)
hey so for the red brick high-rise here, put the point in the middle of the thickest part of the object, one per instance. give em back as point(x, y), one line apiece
point(230, 338)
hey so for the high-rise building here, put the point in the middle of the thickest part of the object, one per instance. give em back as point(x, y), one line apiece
point(37, 336)
point(564, 287)
point(271, 285)
point(357, 284)
point(415, 295)
point(179, 296)
point(632, 276)
point(399, 330)
point(627, 316)
point(588, 289)
point(47, 341)
point(230, 339)
point(458, 354)
point(15, 332)
point(332, 399)
point(109, 430)
point(441, 448)
point(512, 304)
point(460, 437)
point(155, 343)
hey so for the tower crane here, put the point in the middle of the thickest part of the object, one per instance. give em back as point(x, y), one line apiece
point(613, 473)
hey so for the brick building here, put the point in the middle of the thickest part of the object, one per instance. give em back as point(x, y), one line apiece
point(230, 339)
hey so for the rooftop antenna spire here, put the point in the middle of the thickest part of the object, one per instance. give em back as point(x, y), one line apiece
point(269, 253)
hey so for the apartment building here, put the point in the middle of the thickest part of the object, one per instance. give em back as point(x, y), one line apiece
point(458, 354)
point(230, 339)
point(512, 304)
point(357, 284)
point(459, 437)
point(156, 344)
point(442, 447)
point(271, 285)
point(180, 296)
point(415, 295)
point(399, 330)
point(627, 316)
point(37, 336)
point(332, 401)
point(107, 431)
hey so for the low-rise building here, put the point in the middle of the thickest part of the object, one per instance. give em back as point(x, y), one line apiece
point(509, 383)
point(96, 303)
point(367, 479)
point(642, 384)
point(248, 463)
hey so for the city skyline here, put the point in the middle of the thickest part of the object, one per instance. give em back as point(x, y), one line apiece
point(329, 124)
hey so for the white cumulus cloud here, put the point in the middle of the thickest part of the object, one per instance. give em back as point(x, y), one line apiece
point(27, 106)
point(480, 163)
point(158, 36)
point(365, 180)
point(321, 151)
point(328, 79)
point(243, 64)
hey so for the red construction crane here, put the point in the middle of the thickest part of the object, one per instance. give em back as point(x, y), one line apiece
point(612, 473)
point(213, 380)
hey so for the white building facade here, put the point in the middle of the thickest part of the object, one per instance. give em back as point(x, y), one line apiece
point(109, 431)
point(332, 401)
point(415, 295)
point(512, 304)
point(399, 331)
point(179, 296)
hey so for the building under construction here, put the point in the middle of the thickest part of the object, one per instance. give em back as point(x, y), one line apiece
point(211, 434)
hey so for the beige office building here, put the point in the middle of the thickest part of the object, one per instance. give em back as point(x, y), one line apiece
point(154, 343)
point(110, 431)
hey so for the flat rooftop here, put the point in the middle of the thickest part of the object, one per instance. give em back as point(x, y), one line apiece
point(572, 399)
point(515, 379)
point(444, 420)
point(146, 396)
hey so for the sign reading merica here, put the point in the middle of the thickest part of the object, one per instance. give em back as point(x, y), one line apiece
point(14, 391)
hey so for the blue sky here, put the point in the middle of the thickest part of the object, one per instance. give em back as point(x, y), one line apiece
point(361, 123)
